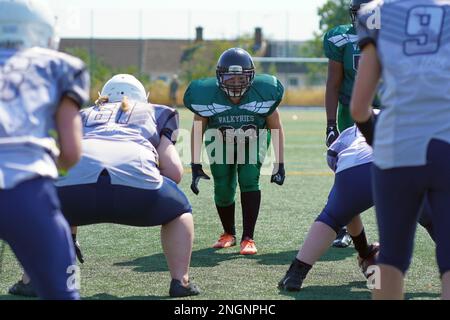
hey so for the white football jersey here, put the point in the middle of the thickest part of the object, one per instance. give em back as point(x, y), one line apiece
point(124, 143)
point(349, 150)
point(32, 83)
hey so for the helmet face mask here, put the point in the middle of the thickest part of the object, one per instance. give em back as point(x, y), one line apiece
point(26, 24)
point(235, 72)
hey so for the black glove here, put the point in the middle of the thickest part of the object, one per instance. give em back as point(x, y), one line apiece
point(332, 133)
point(279, 176)
point(77, 247)
point(367, 129)
point(197, 174)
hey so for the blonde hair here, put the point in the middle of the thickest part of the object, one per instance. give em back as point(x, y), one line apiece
point(125, 104)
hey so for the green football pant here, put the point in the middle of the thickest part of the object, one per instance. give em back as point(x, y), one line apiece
point(226, 177)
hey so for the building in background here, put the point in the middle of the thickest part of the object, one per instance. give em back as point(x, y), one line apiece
point(161, 59)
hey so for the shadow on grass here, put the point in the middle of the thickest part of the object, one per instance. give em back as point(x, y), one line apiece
point(213, 258)
point(106, 296)
point(96, 297)
point(157, 263)
point(350, 291)
point(341, 292)
point(16, 298)
point(286, 257)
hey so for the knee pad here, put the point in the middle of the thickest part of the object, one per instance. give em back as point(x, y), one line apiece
point(224, 195)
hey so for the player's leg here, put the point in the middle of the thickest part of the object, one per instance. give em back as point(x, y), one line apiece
point(344, 121)
point(251, 202)
point(225, 182)
point(169, 207)
point(350, 196)
point(40, 237)
point(177, 239)
point(439, 201)
point(398, 195)
point(425, 217)
point(249, 172)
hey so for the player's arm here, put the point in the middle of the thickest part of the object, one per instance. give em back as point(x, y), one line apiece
point(69, 129)
point(276, 127)
point(366, 84)
point(170, 164)
point(197, 132)
point(198, 129)
point(334, 82)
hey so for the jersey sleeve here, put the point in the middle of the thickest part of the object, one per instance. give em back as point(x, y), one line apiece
point(168, 124)
point(330, 46)
point(74, 81)
point(368, 28)
point(278, 95)
point(269, 91)
point(188, 98)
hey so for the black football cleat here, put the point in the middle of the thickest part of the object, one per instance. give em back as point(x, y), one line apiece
point(177, 290)
point(23, 290)
point(294, 277)
point(343, 239)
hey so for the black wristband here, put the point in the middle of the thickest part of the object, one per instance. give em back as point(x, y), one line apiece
point(196, 166)
point(367, 128)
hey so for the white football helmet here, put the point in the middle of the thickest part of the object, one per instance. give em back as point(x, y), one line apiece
point(124, 85)
point(26, 24)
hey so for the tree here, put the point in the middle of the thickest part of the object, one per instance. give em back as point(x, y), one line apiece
point(200, 59)
point(100, 72)
point(332, 14)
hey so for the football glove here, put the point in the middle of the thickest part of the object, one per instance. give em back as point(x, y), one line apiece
point(77, 247)
point(332, 133)
point(367, 129)
point(197, 174)
point(279, 176)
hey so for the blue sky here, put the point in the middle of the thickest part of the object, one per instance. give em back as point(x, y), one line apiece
point(280, 19)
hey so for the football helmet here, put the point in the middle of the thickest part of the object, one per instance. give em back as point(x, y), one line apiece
point(27, 23)
point(124, 85)
point(237, 64)
point(354, 7)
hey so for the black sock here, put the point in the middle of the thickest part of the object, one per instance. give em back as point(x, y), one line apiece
point(251, 202)
point(361, 244)
point(303, 266)
point(226, 215)
point(74, 237)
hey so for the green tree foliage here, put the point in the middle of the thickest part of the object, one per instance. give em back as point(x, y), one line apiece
point(101, 72)
point(200, 59)
point(332, 14)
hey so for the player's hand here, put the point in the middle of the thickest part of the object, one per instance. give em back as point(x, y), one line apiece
point(279, 176)
point(77, 247)
point(332, 133)
point(197, 174)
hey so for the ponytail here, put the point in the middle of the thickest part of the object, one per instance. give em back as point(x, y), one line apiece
point(124, 105)
point(101, 100)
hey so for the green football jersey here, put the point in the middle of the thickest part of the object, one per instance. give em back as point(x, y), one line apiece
point(206, 99)
point(341, 44)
